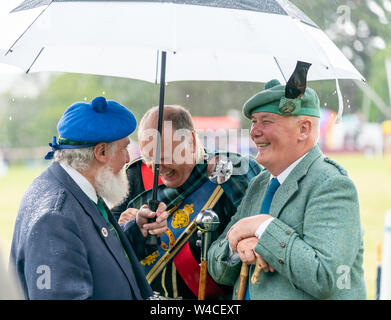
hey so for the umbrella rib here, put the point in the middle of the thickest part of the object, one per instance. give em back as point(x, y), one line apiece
point(279, 67)
point(10, 49)
point(39, 53)
point(157, 65)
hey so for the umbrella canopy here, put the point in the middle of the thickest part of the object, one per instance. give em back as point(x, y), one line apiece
point(241, 40)
point(232, 40)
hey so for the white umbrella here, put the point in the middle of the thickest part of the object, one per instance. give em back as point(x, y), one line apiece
point(242, 40)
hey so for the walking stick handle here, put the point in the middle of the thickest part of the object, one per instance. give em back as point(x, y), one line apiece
point(202, 284)
point(256, 273)
point(242, 287)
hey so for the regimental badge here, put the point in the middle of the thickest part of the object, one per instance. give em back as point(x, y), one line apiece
point(288, 107)
point(222, 169)
point(180, 218)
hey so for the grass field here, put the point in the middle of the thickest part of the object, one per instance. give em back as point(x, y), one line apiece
point(372, 177)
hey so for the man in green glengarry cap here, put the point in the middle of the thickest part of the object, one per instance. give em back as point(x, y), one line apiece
point(299, 220)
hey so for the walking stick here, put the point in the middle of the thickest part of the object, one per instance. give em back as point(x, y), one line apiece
point(242, 287)
point(207, 221)
point(256, 273)
point(243, 280)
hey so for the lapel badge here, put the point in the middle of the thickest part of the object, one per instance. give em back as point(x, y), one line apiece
point(104, 232)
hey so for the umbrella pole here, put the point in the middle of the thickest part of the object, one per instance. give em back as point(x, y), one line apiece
point(153, 240)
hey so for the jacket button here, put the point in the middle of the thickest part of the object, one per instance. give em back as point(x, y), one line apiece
point(283, 244)
point(288, 232)
point(280, 261)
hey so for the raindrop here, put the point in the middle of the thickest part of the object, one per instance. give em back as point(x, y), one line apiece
point(387, 5)
point(363, 29)
point(188, 96)
point(103, 92)
point(13, 99)
point(325, 104)
point(10, 118)
point(358, 45)
point(347, 51)
point(378, 43)
point(378, 10)
point(85, 99)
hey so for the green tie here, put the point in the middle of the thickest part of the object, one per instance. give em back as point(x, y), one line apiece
point(103, 211)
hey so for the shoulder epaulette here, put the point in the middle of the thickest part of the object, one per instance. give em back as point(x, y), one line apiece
point(337, 165)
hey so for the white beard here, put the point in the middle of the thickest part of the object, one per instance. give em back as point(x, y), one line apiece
point(112, 188)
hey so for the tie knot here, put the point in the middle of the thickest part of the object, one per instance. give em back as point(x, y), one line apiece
point(274, 184)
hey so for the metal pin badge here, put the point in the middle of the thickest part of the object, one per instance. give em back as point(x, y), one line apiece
point(104, 232)
point(222, 169)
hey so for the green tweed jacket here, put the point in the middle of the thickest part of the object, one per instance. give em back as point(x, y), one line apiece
point(315, 241)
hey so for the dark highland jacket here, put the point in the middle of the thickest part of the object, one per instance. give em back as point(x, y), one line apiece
point(63, 248)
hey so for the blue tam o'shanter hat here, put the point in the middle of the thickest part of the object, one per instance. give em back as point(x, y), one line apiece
point(87, 124)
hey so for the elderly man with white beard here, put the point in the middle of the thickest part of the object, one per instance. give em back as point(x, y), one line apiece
point(66, 243)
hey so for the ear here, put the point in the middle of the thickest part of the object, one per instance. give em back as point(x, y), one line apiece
point(305, 129)
point(194, 141)
point(101, 152)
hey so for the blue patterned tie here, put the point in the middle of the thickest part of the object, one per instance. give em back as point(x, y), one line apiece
point(265, 207)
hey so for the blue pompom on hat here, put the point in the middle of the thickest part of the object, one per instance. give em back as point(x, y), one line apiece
point(86, 124)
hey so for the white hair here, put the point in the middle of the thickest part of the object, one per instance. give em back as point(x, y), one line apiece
point(79, 159)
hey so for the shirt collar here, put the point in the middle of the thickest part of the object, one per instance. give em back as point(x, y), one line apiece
point(81, 181)
point(283, 175)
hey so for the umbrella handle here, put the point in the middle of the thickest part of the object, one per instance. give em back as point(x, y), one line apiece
point(153, 240)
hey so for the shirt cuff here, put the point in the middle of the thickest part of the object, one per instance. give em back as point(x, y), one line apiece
point(233, 256)
point(261, 229)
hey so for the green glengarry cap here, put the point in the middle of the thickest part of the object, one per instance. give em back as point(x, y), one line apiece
point(272, 99)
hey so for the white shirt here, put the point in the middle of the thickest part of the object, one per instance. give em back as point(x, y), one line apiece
point(81, 181)
point(234, 256)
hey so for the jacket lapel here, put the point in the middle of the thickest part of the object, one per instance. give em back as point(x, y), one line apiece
point(291, 185)
point(100, 224)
